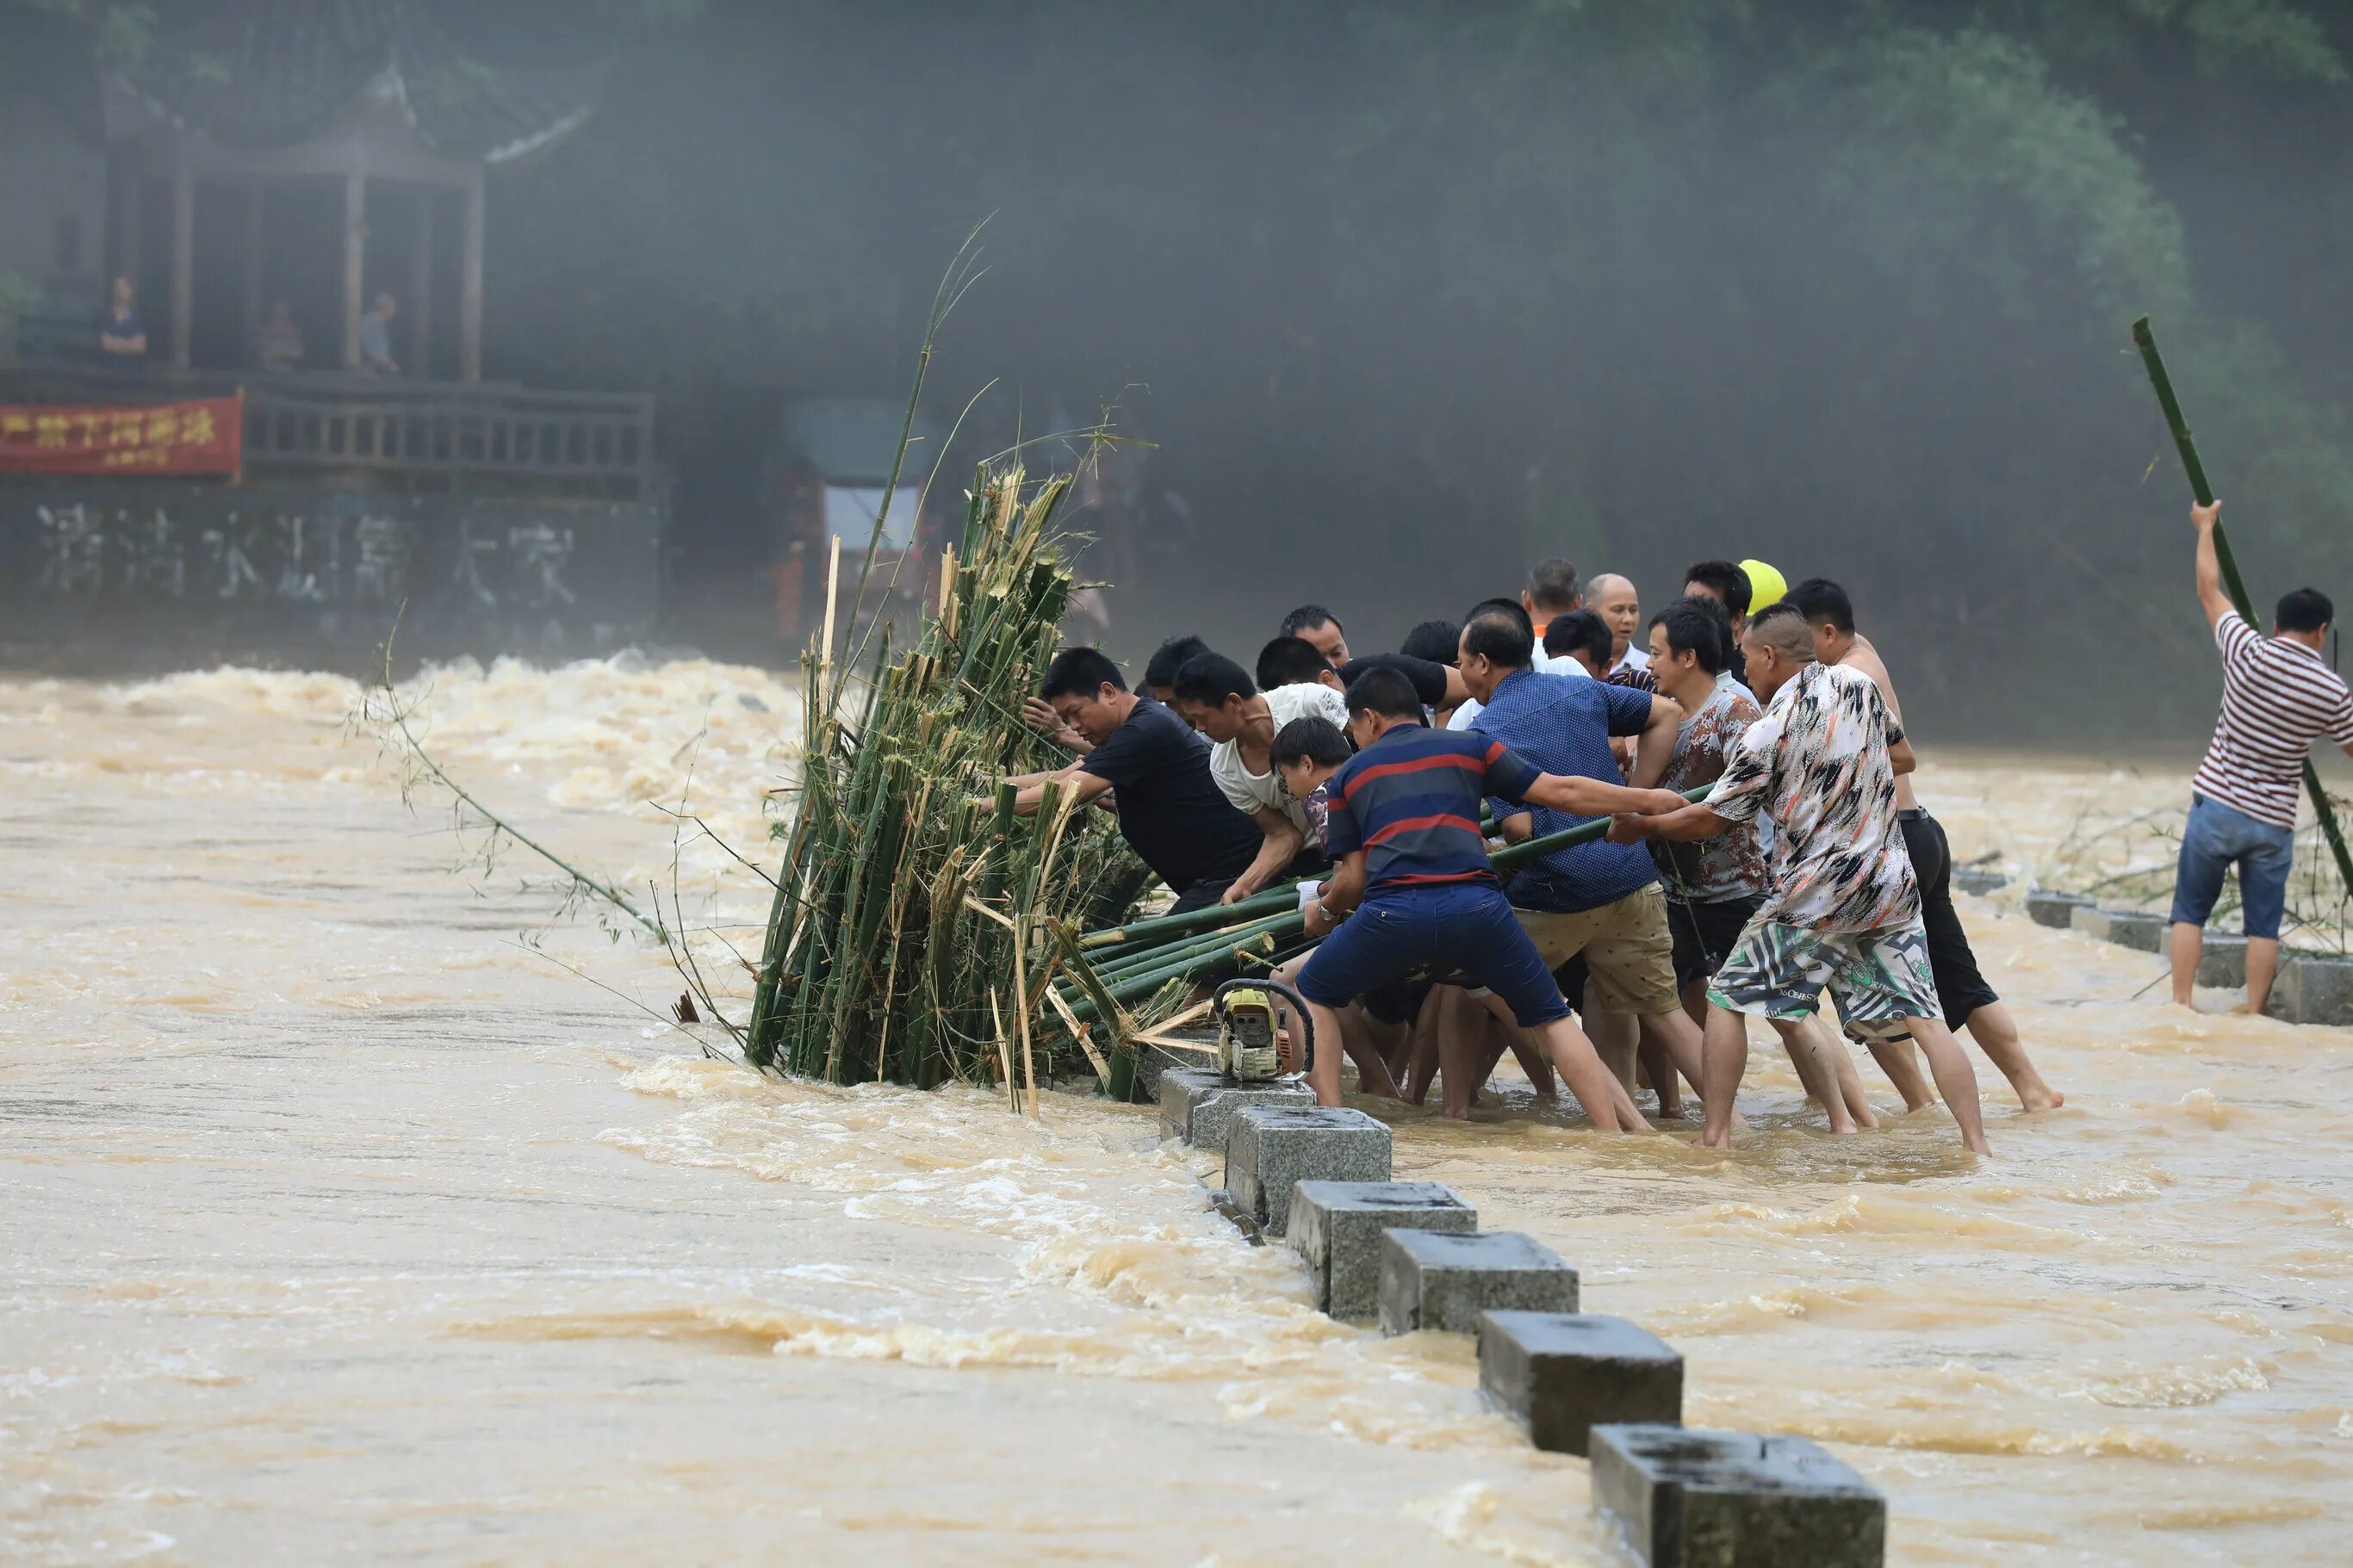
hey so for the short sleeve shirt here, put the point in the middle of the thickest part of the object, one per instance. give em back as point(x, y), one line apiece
point(1563, 726)
point(2277, 698)
point(1816, 761)
point(1410, 802)
point(1170, 810)
point(1730, 865)
point(1250, 792)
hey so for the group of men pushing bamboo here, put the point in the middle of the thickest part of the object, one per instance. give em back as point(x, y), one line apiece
point(1371, 783)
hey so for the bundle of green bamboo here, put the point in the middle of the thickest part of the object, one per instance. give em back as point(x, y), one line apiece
point(1114, 973)
point(911, 938)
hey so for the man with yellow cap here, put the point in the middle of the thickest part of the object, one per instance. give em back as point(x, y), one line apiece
point(1741, 589)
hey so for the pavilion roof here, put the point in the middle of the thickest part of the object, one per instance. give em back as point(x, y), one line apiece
point(274, 74)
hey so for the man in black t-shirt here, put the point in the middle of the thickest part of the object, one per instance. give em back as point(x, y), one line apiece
point(1171, 811)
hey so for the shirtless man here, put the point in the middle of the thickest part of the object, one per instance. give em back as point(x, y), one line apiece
point(1969, 1002)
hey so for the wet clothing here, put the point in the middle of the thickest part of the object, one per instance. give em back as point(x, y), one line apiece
point(2219, 837)
point(1704, 934)
point(1465, 926)
point(2277, 698)
point(1730, 865)
point(1564, 727)
point(1817, 763)
point(1170, 810)
point(1875, 978)
point(1410, 801)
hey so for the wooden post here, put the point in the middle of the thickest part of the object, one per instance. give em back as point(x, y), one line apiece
point(354, 263)
point(470, 298)
point(184, 257)
point(130, 215)
point(420, 286)
point(253, 239)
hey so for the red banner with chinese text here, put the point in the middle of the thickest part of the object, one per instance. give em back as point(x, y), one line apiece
point(205, 437)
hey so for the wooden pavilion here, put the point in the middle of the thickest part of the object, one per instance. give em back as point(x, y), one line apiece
point(270, 97)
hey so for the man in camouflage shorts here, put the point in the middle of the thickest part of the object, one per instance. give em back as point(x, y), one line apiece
point(1844, 909)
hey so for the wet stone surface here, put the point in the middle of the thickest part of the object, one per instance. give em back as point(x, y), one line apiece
point(1338, 1228)
point(1563, 1373)
point(1431, 1281)
point(2135, 929)
point(1197, 1105)
point(2055, 909)
point(1687, 1498)
point(1269, 1149)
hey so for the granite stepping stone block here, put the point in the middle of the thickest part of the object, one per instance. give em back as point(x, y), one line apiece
point(1687, 1498)
point(1271, 1148)
point(1338, 1228)
point(1980, 879)
point(2312, 989)
point(2135, 929)
point(1432, 1280)
point(1563, 1373)
point(2056, 911)
point(1198, 1104)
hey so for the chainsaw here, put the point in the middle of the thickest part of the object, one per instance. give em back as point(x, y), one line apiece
point(1249, 1047)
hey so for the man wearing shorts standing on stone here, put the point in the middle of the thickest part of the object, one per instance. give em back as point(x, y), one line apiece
point(2277, 698)
point(1844, 910)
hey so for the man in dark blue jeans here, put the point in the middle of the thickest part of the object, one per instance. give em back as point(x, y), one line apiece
point(1416, 891)
point(2279, 696)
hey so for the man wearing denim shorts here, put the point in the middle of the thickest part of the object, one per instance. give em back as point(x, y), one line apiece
point(2278, 696)
point(1413, 888)
point(1844, 910)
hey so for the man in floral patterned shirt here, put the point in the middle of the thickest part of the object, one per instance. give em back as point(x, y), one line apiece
point(1843, 909)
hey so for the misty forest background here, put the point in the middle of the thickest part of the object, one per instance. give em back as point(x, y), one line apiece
point(1406, 294)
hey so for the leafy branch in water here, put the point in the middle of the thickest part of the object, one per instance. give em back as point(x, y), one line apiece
point(386, 713)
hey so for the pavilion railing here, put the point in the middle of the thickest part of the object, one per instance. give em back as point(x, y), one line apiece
point(595, 440)
point(420, 431)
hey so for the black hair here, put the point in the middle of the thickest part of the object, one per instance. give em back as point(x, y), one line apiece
point(1307, 615)
point(1289, 661)
point(1080, 672)
point(1438, 641)
point(1580, 631)
point(1311, 740)
point(1726, 579)
point(1696, 626)
point(1385, 692)
point(1502, 640)
point(1552, 585)
point(1821, 602)
point(2305, 610)
point(1510, 607)
point(1161, 670)
point(1779, 624)
point(1209, 679)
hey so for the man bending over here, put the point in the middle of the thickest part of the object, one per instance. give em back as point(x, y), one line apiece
point(1413, 888)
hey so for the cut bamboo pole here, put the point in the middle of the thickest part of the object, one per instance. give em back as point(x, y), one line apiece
point(2232, 582)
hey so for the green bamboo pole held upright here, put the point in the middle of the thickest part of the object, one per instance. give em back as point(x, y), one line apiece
point(2231, 582)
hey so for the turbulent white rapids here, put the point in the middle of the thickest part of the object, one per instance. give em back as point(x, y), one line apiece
point(341, 1225)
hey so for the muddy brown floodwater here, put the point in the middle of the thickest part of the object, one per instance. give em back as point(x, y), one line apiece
point(338, 1225)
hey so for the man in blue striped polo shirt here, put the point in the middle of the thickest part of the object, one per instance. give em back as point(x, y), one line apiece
point(1416, 891)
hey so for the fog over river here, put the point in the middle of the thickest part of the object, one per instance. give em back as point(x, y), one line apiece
point(337, 1224)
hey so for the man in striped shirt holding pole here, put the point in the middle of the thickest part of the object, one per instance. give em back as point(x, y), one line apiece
point(2278, 696)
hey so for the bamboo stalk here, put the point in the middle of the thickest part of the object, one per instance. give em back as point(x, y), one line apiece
point(2186, 446)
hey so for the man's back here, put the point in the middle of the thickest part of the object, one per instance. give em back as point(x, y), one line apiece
point(1817, 763)
point(1564, 726)
point(2277, 698)
point(1410, 801)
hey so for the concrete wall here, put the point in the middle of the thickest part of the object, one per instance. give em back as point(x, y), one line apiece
point(100, 575)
